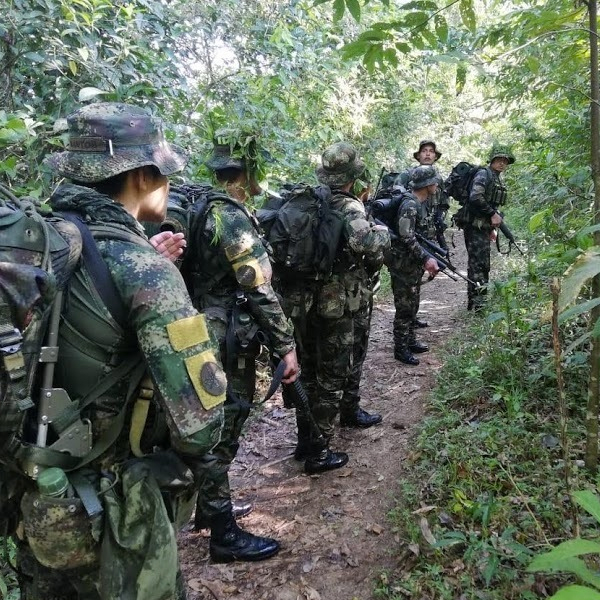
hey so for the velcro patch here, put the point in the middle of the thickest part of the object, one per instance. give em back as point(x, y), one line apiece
point(249, 273)
point(236, 251)
point(188, 332)
point(208, 378)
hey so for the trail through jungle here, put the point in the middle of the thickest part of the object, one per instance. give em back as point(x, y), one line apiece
point(335, 535)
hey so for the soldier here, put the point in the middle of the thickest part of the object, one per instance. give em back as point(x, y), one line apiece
point(351, 414)
point(407, 263)
point(118, 161)
point(488, 193)
point(433, 212)
point(228, 273)
point(323, 311)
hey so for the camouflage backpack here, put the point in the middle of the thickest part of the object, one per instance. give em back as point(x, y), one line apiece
point(37, 257)
point(459, 182)
point(304, 231)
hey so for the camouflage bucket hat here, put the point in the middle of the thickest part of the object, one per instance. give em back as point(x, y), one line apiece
point(108, 138)
point(340, 165)
point(422, 177)
point(501, 152)
point(422, 143)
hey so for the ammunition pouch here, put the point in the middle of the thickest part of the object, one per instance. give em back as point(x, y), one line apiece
point(332, 300)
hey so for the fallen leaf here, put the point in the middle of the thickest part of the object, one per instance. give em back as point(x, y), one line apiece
point(378, 529)
point(426, 531)
point(345, 473)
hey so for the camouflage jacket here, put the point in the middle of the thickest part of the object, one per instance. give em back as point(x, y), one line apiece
point(488, 193)
point(162, 328)
point(405, 248)
point(226, 259)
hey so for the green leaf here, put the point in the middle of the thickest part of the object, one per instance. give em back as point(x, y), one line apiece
point(555, 560)
point(87, 93)
point(441, 28)
point(420, 5)
point(538, 219)
point(586, 498)
point(403, 47)
point(467, 14)
point(586, 267)
point(354, 9)
point(355, 49)
point(339, 6)
point(578, 309)
point(576, 592)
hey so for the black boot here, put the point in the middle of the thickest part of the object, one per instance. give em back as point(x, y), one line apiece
point(239, 509)
point(360, 418)
point(406, 357)
point(421, 324)
point(418, 347)
point(229, 543)
point(322, 459)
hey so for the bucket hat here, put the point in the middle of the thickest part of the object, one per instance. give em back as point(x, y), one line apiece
point(422, 177)
point(339, 165)
point(422, 143)
point(108, 138)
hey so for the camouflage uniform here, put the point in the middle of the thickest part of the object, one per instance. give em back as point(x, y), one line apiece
point(488, 193)
point(163, 334)
point(406, 270)
point(228, 273)
point(324, 312)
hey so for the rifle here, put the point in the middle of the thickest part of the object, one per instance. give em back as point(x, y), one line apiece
point(509, 236)
point(381, 173)
point(442, 256)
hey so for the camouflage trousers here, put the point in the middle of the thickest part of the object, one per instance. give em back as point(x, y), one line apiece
point(477, 243)
point(362, 327)
point(212, 469)
point(406, 286)
point(325, 349)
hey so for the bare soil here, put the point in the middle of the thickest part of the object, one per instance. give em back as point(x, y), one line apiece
point(335, 536)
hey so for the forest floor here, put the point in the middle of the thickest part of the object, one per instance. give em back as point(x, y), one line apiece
point(336, 539)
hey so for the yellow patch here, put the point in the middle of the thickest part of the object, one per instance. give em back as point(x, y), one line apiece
point(249, 273)
point(187, 332)
point(239, 250)
point(208, 378)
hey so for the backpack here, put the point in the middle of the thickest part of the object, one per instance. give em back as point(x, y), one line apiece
point(458, 184)
point(38, 255)
point(383, 208)
point(303, 230)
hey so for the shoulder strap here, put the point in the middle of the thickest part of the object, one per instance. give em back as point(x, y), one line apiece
point(98, 270)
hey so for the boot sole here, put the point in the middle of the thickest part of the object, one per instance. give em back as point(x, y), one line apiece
point(228, 557)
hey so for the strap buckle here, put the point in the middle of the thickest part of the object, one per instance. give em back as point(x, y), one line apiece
point(11, 341)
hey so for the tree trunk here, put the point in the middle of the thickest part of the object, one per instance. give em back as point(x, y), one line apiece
point(591, 448)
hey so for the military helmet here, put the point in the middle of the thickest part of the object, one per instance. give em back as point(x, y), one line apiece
point(339, 165)
point(501, 152)
point(108, 138)
point(422, 177)
point(422, 143)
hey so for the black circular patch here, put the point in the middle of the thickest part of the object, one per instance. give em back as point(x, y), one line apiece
point(246, 275)
point(213, 378)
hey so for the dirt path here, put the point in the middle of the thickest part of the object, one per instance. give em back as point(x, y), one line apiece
point(333, 528)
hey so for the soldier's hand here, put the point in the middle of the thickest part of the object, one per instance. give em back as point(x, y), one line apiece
point(493, 235)
point(496, 220)
point(168, 244)
point(291, 367)
point(432, 267)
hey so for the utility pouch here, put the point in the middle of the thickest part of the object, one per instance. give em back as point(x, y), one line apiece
point(462, 218)
point(59, 531)
point(332, 300)
point(356, 296)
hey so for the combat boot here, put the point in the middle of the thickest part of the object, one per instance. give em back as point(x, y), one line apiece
point(229, 543)
point(321, 458)
point(418, 347)
point(238, 508)
point(360, 418)
point(421, 324)
point(406, 357)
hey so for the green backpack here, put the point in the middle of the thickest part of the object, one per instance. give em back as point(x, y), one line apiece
point(304, 231)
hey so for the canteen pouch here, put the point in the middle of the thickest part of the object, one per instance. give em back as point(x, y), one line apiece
point(59, 531)
point(332, 300)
